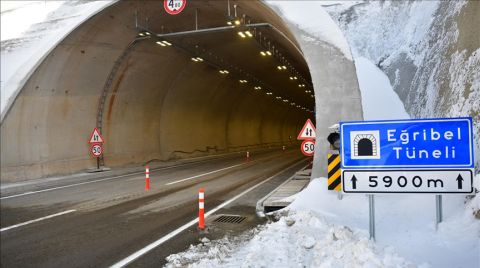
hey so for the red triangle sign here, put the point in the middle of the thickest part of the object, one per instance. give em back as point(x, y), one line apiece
point(95, 137)
point(308, 131)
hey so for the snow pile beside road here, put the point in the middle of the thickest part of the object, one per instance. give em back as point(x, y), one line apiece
point(299, 239)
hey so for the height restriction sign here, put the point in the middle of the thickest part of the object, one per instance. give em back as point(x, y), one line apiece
point(173, 7)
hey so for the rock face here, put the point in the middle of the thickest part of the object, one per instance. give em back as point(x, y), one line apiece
point(430, 51)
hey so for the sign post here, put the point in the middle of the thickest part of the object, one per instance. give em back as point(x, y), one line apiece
point(96, 142)
point(420, 156)
point(308, 135)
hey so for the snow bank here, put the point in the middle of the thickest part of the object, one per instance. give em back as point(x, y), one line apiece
point(313, 232)
point(379, 101)
point(406, 222)
point(30, 30)
point(310, 17)
point(301, 239)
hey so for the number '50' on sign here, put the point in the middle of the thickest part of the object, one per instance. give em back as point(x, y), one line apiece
point(308, 147)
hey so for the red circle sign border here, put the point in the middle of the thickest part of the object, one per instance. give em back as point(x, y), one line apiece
point(301, 148)
point(165, 6)
point(101, 151)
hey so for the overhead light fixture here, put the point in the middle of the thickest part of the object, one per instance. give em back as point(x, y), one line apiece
point(147, 33)
point(293, 78)
point(245, 34)
point(197, 59)
point(223, 71)
point(281, 67)
point(265, 53)
point(269, 93)
point(298, 106)
point(257, 87)
point(279, 98)
point(301, 85)
point(141, 34)
point(285, 101)
point(242, 81)
point(163, 43)
point(237, 22)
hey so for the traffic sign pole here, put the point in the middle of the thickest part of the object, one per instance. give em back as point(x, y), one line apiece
point(371, 213)
point(439, 214)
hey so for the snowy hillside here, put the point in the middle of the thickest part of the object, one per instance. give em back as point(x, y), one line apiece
point(430, 50)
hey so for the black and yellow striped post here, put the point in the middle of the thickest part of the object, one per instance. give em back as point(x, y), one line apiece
point(334, 171)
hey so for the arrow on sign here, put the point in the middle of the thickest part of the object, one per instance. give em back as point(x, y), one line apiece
point(354, 182)
point(459, 180)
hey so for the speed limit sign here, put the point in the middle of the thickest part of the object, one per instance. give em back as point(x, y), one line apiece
point(308, 147)
point(96, 150)
point(173, 7)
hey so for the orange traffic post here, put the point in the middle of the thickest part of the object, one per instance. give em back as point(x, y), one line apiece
point(147, 178)
point(201, 209)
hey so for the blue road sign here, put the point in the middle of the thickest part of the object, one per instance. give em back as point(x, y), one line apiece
point(418, 143)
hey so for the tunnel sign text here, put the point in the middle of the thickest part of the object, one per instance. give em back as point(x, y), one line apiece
point(422, 155)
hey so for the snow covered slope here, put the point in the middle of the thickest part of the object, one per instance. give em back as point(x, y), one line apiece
point(430, 50)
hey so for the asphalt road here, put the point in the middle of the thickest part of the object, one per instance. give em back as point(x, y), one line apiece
point(102, 222)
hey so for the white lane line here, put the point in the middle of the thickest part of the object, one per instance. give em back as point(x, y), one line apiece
point(37, 220)
point(87, 182)
point(182, 228)
point(208, 173)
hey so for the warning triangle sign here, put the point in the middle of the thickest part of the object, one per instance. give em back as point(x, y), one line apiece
point(308, 131)
point(95, 137)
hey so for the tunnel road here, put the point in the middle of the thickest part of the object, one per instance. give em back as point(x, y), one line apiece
point(101, 223)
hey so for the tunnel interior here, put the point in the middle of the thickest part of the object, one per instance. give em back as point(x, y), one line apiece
point(160, 87)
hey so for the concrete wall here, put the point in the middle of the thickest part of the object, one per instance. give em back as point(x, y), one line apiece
point(161, 105)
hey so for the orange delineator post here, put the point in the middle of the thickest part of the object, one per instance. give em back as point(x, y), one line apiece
point(147, 178)
point(201, 208)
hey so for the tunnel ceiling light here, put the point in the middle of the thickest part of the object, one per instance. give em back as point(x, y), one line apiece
point(313, 96)
point(257, 88)
point(286, 101)
point(223, 71)
point(269, 93)
point(163, 43)
point(308, 91)
point(281, 67)
point(301, 85)
point(242, 81)
point(265, 53)
point(279, 98)
point(293, 103)
point(245, 34)
point(293, 78)
point(237, 22)
point(298, 106)
point(197, 59)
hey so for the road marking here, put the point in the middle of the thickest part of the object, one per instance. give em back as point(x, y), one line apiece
point(88, 182)
point(182, 228)
point(37, 220)
point(208, 173)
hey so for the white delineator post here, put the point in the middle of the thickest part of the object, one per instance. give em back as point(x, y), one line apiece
point(201, 209)
point(248, 156)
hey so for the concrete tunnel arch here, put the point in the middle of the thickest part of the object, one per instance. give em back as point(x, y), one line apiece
point(158, 103)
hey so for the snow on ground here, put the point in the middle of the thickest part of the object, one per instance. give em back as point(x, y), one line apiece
point(319, 230)
point(29, 31)
point(379, 101)
point(316, 22)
